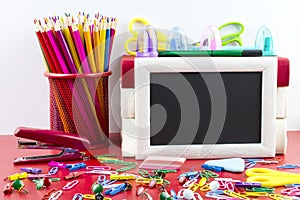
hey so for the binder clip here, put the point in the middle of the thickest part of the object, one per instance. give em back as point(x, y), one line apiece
point(265, 41)
point(211, 39)
point(177, 39)
point(68, 143)
point(147, 43)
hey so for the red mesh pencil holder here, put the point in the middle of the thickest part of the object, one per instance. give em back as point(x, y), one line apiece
point(79, 105)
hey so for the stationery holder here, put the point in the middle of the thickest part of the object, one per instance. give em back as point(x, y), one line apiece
point(79, 105)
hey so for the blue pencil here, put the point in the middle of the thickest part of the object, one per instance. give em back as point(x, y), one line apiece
point(107, 44)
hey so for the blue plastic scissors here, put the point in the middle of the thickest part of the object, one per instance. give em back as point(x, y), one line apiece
point(271, 178)
point(234, 37)
point(134, 25)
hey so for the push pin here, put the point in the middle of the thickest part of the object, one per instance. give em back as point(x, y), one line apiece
point(8, 188)
point(19, 185)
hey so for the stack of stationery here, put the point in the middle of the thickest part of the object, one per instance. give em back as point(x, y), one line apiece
point(77, 52)
point(76, 45)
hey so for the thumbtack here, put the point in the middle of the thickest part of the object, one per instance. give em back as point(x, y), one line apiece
point(8, 188)
point(19, 185)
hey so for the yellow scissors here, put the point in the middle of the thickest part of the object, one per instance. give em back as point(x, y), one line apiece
point(161, 38)
point(271, 178)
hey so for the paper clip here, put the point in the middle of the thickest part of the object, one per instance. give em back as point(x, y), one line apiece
point(205, 188)
point(31, 170)
point(279, 197)
point(121, 177)
point(119, 188)
point(98, 168)
point(292, 191)
point(194, 187)
point(288, 166)
point(48, 194)
point(254, 194)
point(217, 195)
point(247, 184)
point(92, 196)
point(55, 195)
point(77, 196)
point(73, 175)
point(235, 195)
point(53, 170)
point(226, 185)
point(145, 181)
point(70, 185)
point(17, 176)
point(189, 183)
point(101, 172)
point(260, 189)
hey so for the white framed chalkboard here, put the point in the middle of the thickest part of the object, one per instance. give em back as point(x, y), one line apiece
point(205, 107)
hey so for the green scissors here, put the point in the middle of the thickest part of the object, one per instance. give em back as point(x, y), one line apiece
point(232, 37)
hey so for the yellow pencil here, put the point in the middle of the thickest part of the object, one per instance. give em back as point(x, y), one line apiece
point(102, 42)
point(96, 45)
point(89, 46)
point(71, 45)
point(79, 26)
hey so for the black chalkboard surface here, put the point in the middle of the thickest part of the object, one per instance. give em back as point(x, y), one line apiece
point(184, 108)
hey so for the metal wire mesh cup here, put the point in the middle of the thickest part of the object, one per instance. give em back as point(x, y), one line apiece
point(79, 105)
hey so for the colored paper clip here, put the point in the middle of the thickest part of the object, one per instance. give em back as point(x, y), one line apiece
point(104, 182)
point(212, 167)
point(121, 177)
point(118, 189)
point(146, 181)
point(48, 194)
point(280, 197)
point(188, 174)
point(68, 143)
point(189, 183)
point(247, 184)
point(226, 185)
point(92, 196)
point(201, 183)
point(17, 176)
point(205, 188)
point(53, 170)
point(101, 172)
point(70, 185)
point(38, 176)
point(31, 170)
point(73, 167)
point(293, 191)
point(56, 195)
point(254, 194)
point(98, 168)
point(288, 166)
point(260, 189)
point(73, 175)
point(57, 164)
point(77, 196)
point(235, 195)
point(208, 174)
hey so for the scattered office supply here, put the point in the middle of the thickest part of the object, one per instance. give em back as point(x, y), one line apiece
point(177, 39)
point(76, 166)
point(50, 139)
point(70, 185)
point(288, 166)
point(53, 170)
point(8, 189)
point(56, 195)
point(73, 175)
point(17, 176)
point(162, 162)
point(230, 164)
point(31, 170)
point(19, 185)
point(230, 37)
point(119, 188)
point(212, 167)
point(265, 41)
point(136, 25)
point(147, 43)
point(271, 178)
point(211, 39)
point(38, 176)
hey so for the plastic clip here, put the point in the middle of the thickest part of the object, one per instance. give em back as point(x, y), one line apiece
point(53, 170)
point(70, 185)
point(55, 195)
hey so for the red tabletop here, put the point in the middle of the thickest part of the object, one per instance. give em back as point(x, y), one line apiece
point(9, 152)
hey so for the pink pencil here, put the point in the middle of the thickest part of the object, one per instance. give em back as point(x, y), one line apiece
point(80, 49)
point(57, 51)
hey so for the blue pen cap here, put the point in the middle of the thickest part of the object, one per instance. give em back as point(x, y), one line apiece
point(177, 39)
point(265, 41)
point(147, 43)
point(211, 39)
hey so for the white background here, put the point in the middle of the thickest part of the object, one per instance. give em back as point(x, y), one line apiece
point(24, 89)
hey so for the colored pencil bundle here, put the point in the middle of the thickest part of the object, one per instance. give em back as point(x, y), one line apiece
point(76, 45)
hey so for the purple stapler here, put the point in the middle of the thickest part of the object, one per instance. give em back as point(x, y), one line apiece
point(69, 144)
